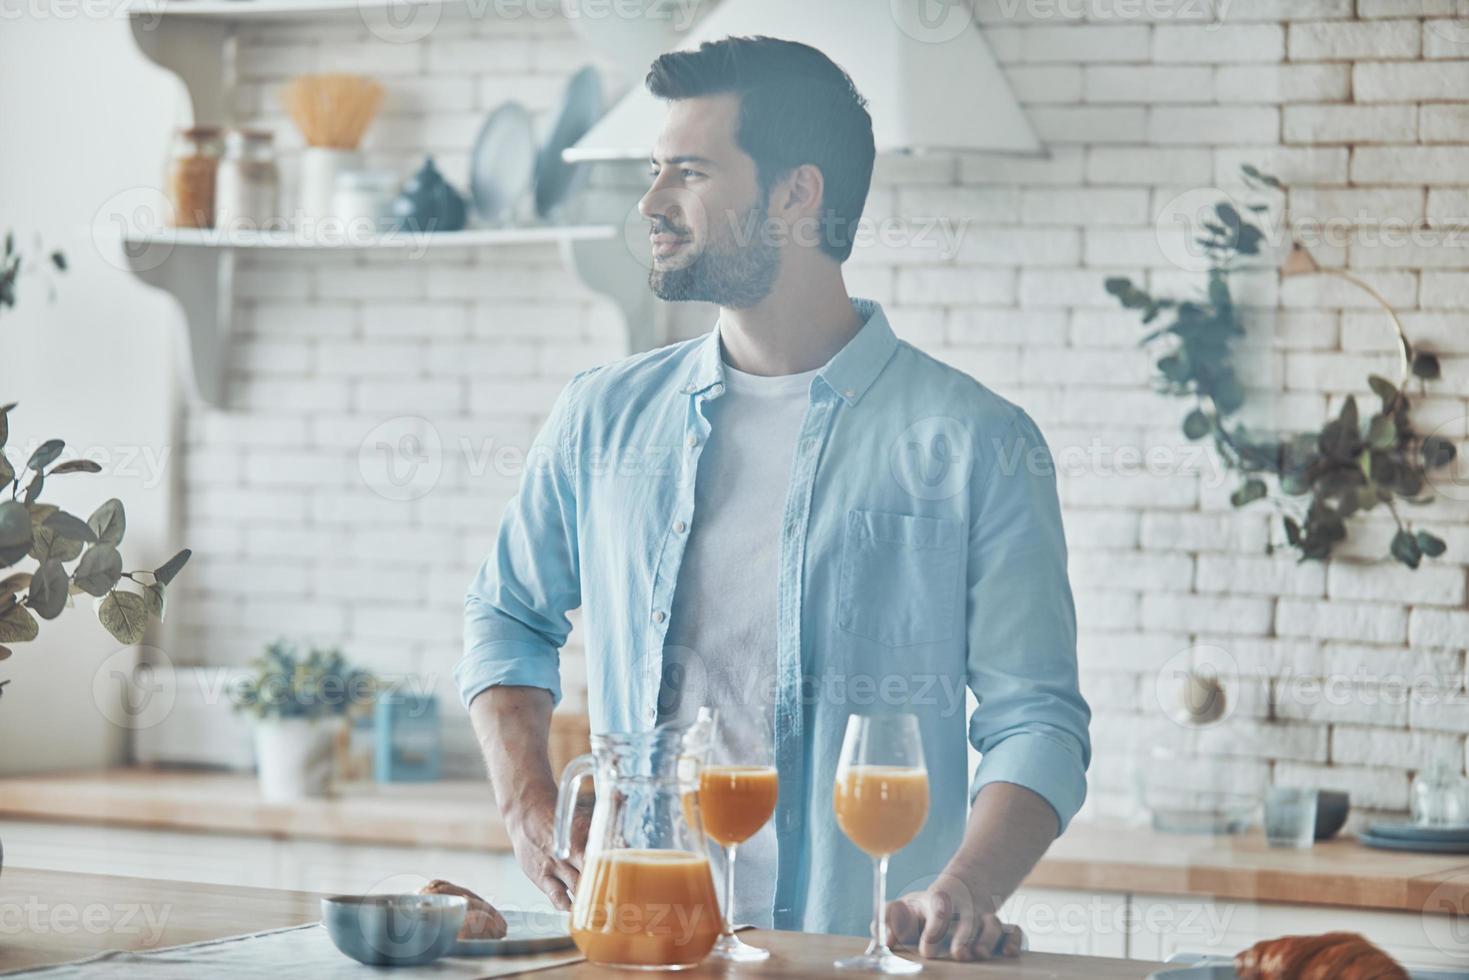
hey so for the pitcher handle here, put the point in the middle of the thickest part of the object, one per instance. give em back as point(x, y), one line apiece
point(576, 770)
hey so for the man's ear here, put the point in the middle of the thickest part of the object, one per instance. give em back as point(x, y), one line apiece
point(800, 193)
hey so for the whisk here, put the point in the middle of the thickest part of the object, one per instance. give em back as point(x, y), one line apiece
point(332, 110)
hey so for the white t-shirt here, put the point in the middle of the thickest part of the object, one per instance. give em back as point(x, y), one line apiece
point(721, 645)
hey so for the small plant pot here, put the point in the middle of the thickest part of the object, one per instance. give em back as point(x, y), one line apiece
point(294, 757)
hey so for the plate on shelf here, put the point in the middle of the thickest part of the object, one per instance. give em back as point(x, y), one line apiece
point(1402, 830)
point(1422, 846)
point(502, 164)
point(581, 107)
point(525, 933)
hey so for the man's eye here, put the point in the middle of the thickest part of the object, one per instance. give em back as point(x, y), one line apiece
point(691, 173)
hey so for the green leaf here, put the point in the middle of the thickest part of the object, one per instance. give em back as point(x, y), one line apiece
point(15, 525)
point(13, 583)
point(49, 590)
point(1383, 389)
point(1437, 452)
point(153, 599)
point(1426, 366)
point(99, 569)
point(1430, 544)
point(1405, 549)
point(1248, 492)
point(58, 259)
point(45, 454)
point(77, 466)
point(165, 573)
point(1196, 425)
point(71, 527)
point(48, 544)
point(7, 472)
point(17, 625)
point(1382, 433)
point(124, 615)
point(33, 491)
point(109, 522)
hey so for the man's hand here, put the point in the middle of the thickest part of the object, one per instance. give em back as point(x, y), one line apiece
point(532, 831)
point(949, 920)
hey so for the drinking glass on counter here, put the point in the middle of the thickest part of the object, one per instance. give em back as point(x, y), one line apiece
point(1290, 816)
point(881, 803)
point(736, 800)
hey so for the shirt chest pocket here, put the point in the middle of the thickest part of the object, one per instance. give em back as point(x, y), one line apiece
point(901, 577)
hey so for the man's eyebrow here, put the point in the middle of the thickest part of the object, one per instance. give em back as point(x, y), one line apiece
point(684, 158)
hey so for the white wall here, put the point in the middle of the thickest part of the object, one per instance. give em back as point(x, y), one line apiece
point(84, 116)
point(1358, 109)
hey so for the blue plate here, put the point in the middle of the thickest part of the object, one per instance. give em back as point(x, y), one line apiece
point(1413, 831)
point(1421, 846)
point(503, 162)
point(581, 107)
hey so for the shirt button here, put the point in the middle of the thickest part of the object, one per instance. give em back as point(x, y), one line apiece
point(659, 616)
point(693, 441)
point(688, 389)
point(679, 527)
point(850, 393)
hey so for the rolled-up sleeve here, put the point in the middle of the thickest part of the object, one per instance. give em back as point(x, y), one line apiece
point(1031, 723)
point(515, 620)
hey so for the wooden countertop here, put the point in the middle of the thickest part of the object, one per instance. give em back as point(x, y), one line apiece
point(408, 814)
point(185, 913)
point(1089, 857)
point(1115, 858)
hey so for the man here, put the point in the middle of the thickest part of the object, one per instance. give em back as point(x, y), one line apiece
point(793, 518)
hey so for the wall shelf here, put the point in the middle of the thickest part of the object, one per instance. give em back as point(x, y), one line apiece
point(275, 10)
point(407, 241)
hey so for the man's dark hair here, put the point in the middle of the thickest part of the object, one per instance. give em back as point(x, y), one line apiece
point(796, 107)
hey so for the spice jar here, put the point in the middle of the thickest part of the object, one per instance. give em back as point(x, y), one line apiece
point(191, 177)
point(247, 188)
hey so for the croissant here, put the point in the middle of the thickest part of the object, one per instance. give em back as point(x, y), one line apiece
point(483, 921)
point(1330, 956)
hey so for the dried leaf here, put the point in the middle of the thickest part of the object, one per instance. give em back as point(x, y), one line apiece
point(45, 454)
point(124, 615)
point(77, 466)
point(17, 625)
point(15, 525)
point(109, 522)
point(48, 592)
point(165, 573)
point(99, 569)
point(48, 544)
point(71, 527)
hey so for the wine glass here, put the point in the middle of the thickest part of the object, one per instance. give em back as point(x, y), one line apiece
point(881, 802)
point(736, 799)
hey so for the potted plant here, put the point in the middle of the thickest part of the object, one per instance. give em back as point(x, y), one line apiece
point(299, 705)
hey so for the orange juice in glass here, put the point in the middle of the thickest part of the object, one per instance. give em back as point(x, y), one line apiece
point(734, 802)
point(881, 802)
point(646, 908)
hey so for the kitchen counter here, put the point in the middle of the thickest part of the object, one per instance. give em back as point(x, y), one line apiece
point(408, 814)
point(42, 916)
point(1090, 857)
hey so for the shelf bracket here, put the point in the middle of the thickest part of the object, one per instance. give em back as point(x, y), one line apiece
point(608, 266)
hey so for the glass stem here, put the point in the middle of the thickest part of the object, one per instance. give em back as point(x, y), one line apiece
point(879, 893)
point(729, 860)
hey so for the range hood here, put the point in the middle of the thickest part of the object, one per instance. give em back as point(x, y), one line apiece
point(930, 79)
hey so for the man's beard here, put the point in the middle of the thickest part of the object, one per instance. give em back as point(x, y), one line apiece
point(733, 276)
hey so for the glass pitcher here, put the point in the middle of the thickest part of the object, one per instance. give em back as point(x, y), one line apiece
point(646, 896)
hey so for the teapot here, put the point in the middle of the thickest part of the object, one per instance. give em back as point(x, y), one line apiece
point(646, 897)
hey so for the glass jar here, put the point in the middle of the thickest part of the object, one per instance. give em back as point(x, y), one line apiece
point(1440, 796)
point(247, 189)
point(195, 164)
point(365, 198)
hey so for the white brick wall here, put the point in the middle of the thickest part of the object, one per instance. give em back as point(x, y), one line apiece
point(1362, 111)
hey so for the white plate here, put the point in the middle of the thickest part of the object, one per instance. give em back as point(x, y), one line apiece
point(526, 932)
point(503, 162)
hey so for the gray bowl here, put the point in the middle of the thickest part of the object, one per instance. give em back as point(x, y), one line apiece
point(1332, 807)
point(394, 930)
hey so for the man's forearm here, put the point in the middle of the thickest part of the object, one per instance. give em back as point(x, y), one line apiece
point(513, 727)
point(1009, 829)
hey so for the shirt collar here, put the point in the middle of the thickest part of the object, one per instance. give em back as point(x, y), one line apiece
point(850, 373)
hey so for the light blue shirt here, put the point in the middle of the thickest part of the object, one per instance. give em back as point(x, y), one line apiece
point(921, 551)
